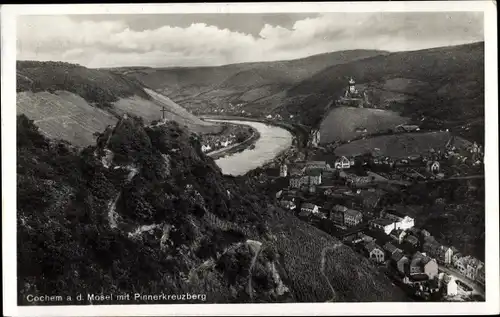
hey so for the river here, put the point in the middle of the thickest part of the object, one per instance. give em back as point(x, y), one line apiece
point(273, 140)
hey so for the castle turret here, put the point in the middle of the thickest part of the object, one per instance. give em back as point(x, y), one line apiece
point(352, 86)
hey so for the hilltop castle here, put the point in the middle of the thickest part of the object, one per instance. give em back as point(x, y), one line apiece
point(352, 97)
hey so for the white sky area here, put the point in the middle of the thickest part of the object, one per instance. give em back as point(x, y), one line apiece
point(165, 40)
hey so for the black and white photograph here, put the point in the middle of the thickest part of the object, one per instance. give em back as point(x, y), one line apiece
point(171, 156)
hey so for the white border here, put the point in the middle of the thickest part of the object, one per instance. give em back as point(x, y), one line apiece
point(8, 44)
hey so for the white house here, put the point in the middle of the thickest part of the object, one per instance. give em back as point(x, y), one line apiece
point(342, 163)
point(452, 287)
point(205, 148)
point(269, 116)
point(433, 166)
point(402, 221)
point(385, 225)
point(406, 223)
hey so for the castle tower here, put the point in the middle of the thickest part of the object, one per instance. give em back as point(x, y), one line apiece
point(352, 86)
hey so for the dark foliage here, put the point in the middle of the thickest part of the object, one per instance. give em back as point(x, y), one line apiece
point(66, 243)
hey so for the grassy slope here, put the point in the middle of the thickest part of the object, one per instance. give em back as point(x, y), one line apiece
point(73, 102)
point(246, 82)
point(341, 123)
point(445, 84)
point(398, 145)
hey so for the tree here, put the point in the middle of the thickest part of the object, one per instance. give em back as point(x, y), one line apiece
point(241, 136)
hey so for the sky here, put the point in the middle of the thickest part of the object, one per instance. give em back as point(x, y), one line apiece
point(166, 40)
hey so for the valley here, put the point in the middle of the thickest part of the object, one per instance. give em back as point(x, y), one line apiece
point(135, 182)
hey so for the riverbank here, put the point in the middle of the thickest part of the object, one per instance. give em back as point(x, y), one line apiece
point(300, 132)
point(235, 148)
point(272, 140)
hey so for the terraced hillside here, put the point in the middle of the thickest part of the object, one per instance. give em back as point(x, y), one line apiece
point(443, 86)
point(72, 102)
point(202, 88)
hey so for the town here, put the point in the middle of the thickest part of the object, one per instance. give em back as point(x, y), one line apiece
point(349, 197)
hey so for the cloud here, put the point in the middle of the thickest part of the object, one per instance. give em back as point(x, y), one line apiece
point(108, 43)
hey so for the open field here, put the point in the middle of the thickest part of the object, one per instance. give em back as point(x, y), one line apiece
point(151, 110)
point(341, 123)
point(399, 145)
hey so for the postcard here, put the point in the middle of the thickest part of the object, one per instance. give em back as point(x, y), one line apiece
point(250, 159)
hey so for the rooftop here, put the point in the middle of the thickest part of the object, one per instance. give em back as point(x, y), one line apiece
point(389, 247)
point(316, 163)
point(313, 172)
point(412, 239)
point(419, 277)
point(397, 255)
point(393, 211)
point(352, 213)
point(308, 205)
point(396, 233)
point(383, 222)
point(287, 198)
point(370, 246)
point(420, 257)
point(339, 208)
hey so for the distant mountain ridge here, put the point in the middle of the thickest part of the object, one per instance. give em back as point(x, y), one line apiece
point(445, 85)
point(196, 87)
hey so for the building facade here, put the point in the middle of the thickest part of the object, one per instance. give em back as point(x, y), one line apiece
point(385, 225)
point(352, 217)
point(423, 264)
point(308, 207)
point(375, 252)
point(342, 163)
point(283, 170)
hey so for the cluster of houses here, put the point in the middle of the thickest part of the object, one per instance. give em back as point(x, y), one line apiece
point(307, 176)
point(215, 143)
point(406, 128)
point(414, 254)
point(388, 236)
point(344, 216)
point(275, 117)
point(468, 266)
point(212, 142)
